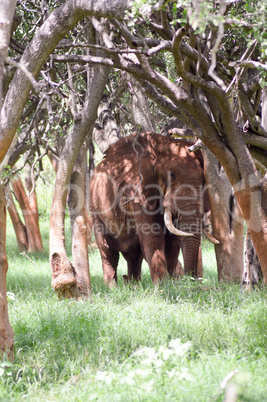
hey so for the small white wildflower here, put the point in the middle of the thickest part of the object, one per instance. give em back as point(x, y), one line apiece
point(185, 375)
point(179, 348)
point(105, 377)
point(128, 380)
point(148, 386)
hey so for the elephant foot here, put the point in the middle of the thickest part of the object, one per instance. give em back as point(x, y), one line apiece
point(179, 271)
point(130, 281)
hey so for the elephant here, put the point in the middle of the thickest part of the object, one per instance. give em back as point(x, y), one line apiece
point(147, 201)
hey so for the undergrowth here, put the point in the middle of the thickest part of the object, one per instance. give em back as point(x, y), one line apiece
point(181, 341)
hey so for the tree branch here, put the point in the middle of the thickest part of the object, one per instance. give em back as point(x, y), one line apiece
point(256, 140)
point(215, 49)
point(55, 28)
point(250, 113)
point(249, 64)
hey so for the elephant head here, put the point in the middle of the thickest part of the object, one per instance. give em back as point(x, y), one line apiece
point(181, 179)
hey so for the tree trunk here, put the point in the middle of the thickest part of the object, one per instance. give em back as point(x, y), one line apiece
point(64, 274)
point(78, 218)
point(107, 133)
point(252, 273)
point(30, 214)
point(140, 111)
point(252, 270)
point(54, 160)
point(6, 332)
point(227, 223)
point(18, 225)
point(252, 197)
point(32, 197)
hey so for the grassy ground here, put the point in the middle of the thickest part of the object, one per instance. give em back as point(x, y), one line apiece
point(183, 341)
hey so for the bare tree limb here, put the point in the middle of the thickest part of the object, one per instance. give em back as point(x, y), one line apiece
point(248, 64)
point(215, 49)
point(250, 113)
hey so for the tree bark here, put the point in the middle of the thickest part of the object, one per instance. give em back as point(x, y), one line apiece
point(252, 273)
point(18, 225)
point(252, 270)
point(78, 218)
point(107, 133)
point(30, 214)
point(6, 332)
point(140, 111)
point(226, 222)
point(53, 30)
point(64, 274)
point(6, 19)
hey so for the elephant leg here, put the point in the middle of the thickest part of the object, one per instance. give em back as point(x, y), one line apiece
point(190, 249)
point(151, 238)
point(109, 254)
point(110, 259)
point(134, 262)
point(172, 248)
point(154, 252)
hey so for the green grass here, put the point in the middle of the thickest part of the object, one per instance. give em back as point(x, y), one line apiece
point(177, 342)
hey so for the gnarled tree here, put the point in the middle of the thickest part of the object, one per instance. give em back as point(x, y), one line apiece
point(54, 28)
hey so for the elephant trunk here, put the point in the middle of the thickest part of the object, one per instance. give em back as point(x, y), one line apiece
point(170, 226)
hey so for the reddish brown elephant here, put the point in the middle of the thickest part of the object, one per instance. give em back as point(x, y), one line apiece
point(146, 201)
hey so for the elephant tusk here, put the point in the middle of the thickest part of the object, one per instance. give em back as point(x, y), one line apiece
point(170, 226)
point(211, 238)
